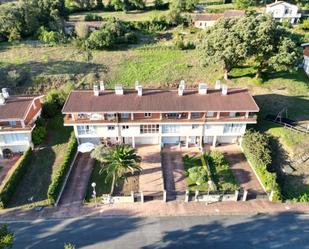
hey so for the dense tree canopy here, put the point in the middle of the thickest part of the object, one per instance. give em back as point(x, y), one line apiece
point(126, 5)
point(183, 5)
point(232, 41)
point(23, 18)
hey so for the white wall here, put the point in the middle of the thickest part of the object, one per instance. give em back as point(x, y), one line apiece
point(306, 64)
point(284, 11)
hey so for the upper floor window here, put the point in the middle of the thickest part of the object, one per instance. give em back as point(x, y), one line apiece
point(149, 128)
point(85, 129)
point(125, 127)
point(209, 114)
point(83, 116)
point(232, 128)
point(12, 123)
point(195, 126)
point(232, 114)
point(125, 115)
point(195, 114)
point(14, 138)
point(147, 114)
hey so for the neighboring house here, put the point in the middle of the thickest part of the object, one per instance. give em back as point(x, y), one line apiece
point(281, 11)
point(17, 117)
point(184, 117)
point(204, 21)
point(306, 57)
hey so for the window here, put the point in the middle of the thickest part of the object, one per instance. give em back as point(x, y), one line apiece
point(195, 114)
point(195, 126)
point(147, 115)
point(170, 128)
point(209, 114)
point(125, 127)
point(13, 138)
point(232, 128)
point(125, 115)
point(201, 24)
point(149, 128)
point(85, 129)
point(111, 127)
point(12, 123)
point(83, 116)
point(232, 114)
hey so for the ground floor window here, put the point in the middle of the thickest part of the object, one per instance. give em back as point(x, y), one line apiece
point(13, 138)
point(149, 128)
point(170, 128)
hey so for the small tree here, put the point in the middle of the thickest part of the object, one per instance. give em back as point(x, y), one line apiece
point(6, 237)
point(117, 162)
point(243, 4)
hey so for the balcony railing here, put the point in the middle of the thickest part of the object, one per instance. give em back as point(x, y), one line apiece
point(15, 127)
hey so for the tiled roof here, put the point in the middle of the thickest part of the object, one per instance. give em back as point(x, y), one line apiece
point(15, 107)
point(159, 101)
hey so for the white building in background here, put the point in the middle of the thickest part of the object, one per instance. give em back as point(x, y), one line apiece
point(281, 11)
point(17, 117)
point(184, 117)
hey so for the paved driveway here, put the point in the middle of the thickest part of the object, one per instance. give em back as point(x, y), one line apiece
point(173, 168)
point(6, 165)
point(77, 183)
point(241, 168)
point(150, 179)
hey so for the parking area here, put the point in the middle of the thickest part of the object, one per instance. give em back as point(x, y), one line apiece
point(6, 165)
point(173, 168)
point(241, 168)
point(150, 179)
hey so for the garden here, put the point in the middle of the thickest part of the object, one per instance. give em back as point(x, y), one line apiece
point(209, 171)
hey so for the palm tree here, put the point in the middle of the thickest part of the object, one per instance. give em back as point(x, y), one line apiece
point(117, 161)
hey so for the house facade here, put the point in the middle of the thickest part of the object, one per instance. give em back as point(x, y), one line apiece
point(306, 57)
point(17, 118)
point(203, 21)
point(144, 116)
point(281, 11)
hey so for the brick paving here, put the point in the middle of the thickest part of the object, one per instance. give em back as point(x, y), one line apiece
point(150, 179)
point(173, 168)
point(6, 165)
point(77, 183)
point(241, 168)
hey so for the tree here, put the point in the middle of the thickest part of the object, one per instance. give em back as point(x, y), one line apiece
point(117, 162)
point(183, 5)
point(158, 4)
point(6, 237)
point(243, 4)
point(126, 5)
point(10, 22)
point(223, 43)
point(269, 44)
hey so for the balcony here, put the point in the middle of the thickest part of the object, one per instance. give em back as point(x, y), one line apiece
point(8, 128)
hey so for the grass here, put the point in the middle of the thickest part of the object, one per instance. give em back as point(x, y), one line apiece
point(45, 161)
point(101, 186)
point(134, 15)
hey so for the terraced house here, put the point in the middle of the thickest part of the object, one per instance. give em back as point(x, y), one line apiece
point(190, 117)
point(17, 120)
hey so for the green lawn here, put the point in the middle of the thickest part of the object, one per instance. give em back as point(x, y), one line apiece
point(135, 15)
point(44, 162)
point(102, 187)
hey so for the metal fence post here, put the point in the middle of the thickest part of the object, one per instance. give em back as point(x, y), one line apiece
point(244, 197)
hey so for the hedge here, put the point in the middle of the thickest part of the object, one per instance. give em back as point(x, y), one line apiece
point(257, 150)
point(11, 182)
point(59, 176)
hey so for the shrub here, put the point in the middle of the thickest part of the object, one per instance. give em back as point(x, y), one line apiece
point(257, 150)
point(39, 132)
point(81, 30)
point(49, 37)
point(11, 182)
point(221, 172)
point(198, 174)
point(93, 17)
point(6, 237)
point(59, 176)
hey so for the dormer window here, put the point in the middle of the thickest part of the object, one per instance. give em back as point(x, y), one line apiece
point(195, 114)
point(125, 115)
